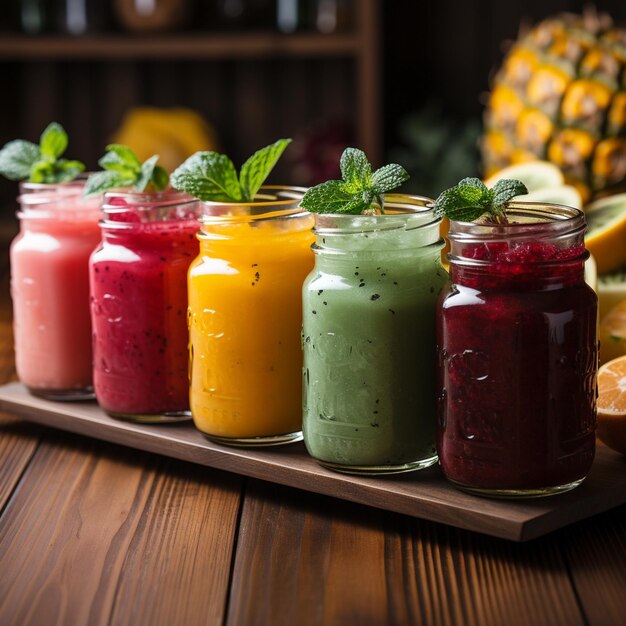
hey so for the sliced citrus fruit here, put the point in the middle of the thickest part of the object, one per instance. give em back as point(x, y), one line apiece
point(534, 174)
point(565, 194)
point(612, 333)
point(606, 234)
point(611, 290)
point(612, 404)
point(591, 273)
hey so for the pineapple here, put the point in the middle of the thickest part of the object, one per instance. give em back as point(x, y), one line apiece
point(561, 96)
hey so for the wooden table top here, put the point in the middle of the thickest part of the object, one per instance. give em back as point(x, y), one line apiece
point(97, 534)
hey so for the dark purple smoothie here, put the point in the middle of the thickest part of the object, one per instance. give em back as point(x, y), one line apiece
point(517, 357)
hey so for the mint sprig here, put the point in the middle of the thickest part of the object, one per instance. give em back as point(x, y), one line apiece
point(25, 160)
point(212, 176)
point(122, 168)
point(471, 199)
point(360, 191)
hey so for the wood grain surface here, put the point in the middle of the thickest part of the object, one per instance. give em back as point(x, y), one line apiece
point(595, 553)
point(425, 494)
point(306, 559)
point(107, 535)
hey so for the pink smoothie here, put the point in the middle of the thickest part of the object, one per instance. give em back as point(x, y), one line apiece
point(50, 291)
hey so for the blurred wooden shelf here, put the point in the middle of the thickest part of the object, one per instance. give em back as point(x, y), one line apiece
point(202, 46)
point(251, 86)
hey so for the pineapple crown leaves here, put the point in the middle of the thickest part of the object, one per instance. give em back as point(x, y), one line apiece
point(25, 160)
point(122, 168)
point(471, 198)
point(211, 176)
point(360, 191)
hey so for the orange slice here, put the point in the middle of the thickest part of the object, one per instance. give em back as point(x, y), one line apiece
point(606, 234)
point(612, 333)
point(612, 404)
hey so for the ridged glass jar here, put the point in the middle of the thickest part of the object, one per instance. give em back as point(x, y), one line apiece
point(518, 355)
point(368, 338)
point(245, 319)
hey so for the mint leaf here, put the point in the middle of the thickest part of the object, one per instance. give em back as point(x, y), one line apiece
point(42, 171)
point(118, 155)
point(53, 141)
point(470, 199)
point(356, 170)
point(21, 160)
point(460, 203)
point(208, 176)
point(212, 177)
point(47, 170)
point(122, 168)
point(152, 174)
point(258, 167)
point(360, 191)
point(67, 170)
point(331, 197)
point(17, 158)
point(160, 178)
point(472, 182)
point(102, 181)
point(147, 169)
point(506, 189)
point(389, 177)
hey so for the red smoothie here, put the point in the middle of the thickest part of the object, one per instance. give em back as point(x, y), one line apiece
point(517, 355)
point(138, 279)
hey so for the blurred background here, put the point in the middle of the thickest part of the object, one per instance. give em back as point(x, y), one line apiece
point(404, 80)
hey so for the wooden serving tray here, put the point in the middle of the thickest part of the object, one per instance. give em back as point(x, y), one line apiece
point(424, 494)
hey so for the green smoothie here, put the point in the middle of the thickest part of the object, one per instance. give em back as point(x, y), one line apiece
point(369, 341)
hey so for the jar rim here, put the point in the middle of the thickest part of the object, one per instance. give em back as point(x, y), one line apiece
point(151, 199)
point(28, 187)
point(271, 202)
point(546, 220)
point(398, 208)
point(36, 205)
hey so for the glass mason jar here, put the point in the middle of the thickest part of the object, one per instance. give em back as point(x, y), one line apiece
point(368, 339)
point(138, 279)
point(245, 318)
point(518, 355)
point(50, 289)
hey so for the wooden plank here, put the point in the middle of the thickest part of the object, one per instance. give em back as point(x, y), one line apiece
point(189, 46)
point(596, 557)
point(423, 494)
point(102, 535)
point(18, 442)
point(318, 561)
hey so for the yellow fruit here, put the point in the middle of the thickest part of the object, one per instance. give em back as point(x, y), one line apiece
point(612, 333)
point(606, 235)
point(612, 404)
point(534, 174)
point(174, 134)
point(565, 194)
point(560, 95)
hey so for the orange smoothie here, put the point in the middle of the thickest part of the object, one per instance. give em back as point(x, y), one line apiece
point(245, 320)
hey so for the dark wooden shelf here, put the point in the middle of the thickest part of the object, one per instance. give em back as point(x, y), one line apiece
point(102, 79)
point(189, 46)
